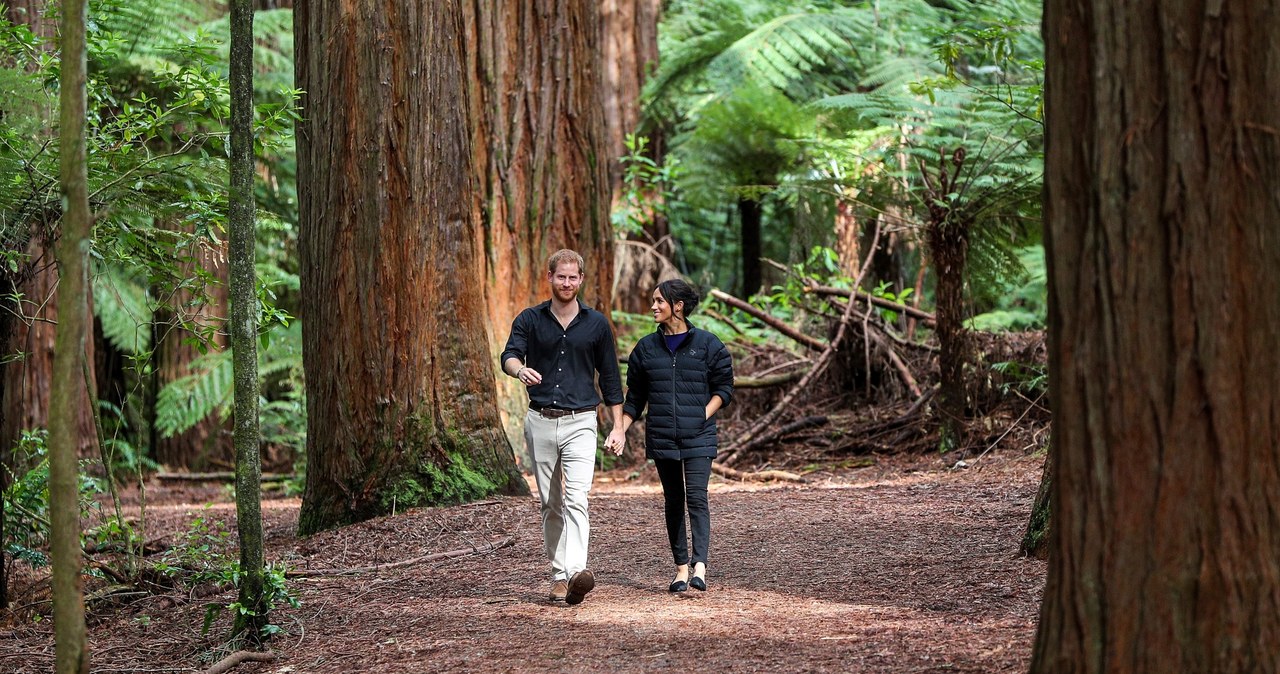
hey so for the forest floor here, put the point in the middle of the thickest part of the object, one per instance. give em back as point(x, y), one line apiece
point(904, 565)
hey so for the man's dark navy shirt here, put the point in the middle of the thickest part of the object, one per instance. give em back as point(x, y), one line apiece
point(567, 358)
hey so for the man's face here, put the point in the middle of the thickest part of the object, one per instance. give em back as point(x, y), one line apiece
point(565, 281)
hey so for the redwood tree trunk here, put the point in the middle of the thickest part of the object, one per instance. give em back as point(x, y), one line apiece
point(392, 281)
point(629, 54)
point(540, 160)
point(207, 444)
point(1163, 164)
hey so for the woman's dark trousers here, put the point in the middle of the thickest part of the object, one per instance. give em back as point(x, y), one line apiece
point(684, 482)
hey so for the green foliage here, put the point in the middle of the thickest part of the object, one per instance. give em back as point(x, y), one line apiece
point(186, 401)
point(203, 556)
point(1025, 377)
point(26, 500)
point(647, 188)
point(1018, 302)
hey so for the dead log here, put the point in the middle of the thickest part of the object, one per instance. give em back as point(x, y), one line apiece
point(819, 366)
point(434, 557)
point(768, 381)
point(229, 663)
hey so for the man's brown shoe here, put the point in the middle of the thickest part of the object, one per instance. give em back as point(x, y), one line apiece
point(559, 590)
point(580, 584)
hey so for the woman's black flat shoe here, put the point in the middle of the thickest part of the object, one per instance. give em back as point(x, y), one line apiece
point(698, 583)
point(678, 586)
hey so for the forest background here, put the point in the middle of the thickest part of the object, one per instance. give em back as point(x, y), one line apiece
point(857, 187)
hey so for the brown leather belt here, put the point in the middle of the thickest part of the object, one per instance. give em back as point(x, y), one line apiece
point(556, 413)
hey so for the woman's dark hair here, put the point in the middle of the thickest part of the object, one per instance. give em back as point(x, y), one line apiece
point(676, 290)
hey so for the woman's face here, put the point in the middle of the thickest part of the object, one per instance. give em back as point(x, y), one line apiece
point(663, 312)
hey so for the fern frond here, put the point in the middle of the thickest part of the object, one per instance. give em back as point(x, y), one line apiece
point(186, 401)
point(120, 303)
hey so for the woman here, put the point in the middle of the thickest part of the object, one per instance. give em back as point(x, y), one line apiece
point(684, 376)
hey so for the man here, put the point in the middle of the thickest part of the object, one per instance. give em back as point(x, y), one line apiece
point(556, 349)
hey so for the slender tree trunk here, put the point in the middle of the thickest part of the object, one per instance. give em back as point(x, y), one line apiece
point(244, 328)
point(393, 305)
point(540, 158)
point(750, 214)
point(66, 399)
point(1162, 169)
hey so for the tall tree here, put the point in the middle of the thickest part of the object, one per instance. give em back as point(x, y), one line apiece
point(539, 155)
point(69, 392)
point(244, 327)
point(392, 279)
point(1163, 164)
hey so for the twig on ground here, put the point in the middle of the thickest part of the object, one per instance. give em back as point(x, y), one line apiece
point(479, 549)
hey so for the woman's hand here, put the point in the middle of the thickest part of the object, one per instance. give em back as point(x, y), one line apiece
point(616, 441)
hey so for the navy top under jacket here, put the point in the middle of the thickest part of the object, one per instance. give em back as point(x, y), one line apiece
point(676, 387)
point(567, 358)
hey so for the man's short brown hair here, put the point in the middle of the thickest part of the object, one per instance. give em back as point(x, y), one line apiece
point(565, 256)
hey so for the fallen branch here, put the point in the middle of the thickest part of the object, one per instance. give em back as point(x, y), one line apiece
point(228, 663)
point(878, 301)
point(220, 476)
point(755, 312)
point(788, 429)
point(463, 552)
point(760, 476)
point(903, 370)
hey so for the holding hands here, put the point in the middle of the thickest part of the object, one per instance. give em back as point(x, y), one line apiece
point(616, 441)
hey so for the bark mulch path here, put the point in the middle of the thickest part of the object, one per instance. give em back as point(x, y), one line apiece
point(903, 566)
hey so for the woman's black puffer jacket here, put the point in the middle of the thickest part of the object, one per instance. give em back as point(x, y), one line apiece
point(676, 388)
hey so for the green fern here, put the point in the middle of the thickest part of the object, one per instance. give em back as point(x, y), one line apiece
point(208, 389)
point(120, 302)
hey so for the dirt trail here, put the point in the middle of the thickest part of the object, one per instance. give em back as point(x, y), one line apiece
point(880, 570)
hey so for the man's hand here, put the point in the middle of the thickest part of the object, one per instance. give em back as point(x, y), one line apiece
point(529, 376)
point(616, 441)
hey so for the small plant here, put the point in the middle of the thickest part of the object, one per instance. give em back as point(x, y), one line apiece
point(884, 290)
point(203, 556)
point(26, 500)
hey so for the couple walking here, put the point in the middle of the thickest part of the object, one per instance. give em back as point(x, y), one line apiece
point(683, 375)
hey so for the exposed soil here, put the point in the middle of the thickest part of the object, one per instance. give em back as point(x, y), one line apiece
point(906, 565)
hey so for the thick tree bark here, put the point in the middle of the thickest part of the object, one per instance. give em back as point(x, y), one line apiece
point(244, 328)
point(540, 160)
point(949, 250)
point(1163, 164)
point(393, 304)
point(69, 395)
